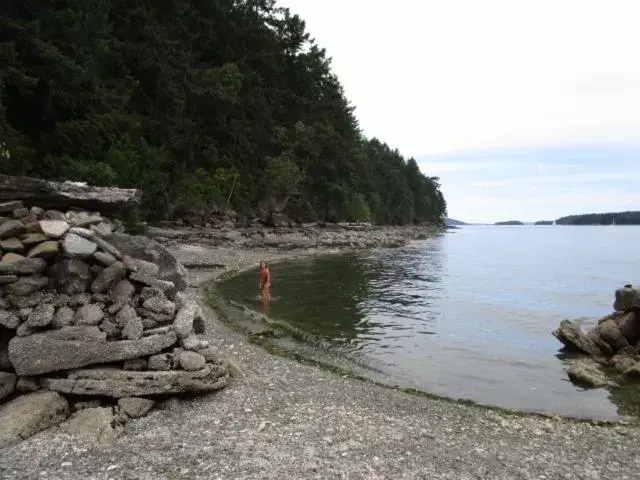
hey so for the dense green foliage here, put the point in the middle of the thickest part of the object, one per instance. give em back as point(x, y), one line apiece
point(617, 218)
point(204, 104)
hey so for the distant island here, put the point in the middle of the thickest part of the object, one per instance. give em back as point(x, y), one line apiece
point(510, 222)
point(613, 218)
point(544, 222)
point(452, 222)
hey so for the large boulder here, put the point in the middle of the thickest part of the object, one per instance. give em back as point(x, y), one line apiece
point(571, 335)
point(627, 298)
point(121, 383)
point(29, 414)
point(147, 249)
point(50, 351)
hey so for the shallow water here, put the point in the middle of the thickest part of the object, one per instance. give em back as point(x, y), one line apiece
point(468, 314)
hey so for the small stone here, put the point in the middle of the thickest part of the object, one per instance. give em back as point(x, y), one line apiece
point(54, 228)
point(107, 247)
point(193, 343)
point(156, 317)
point(135, 407)
point(31, 239)
point(209, 354)
point(62, 299)
point(37, 211)
point(14, 264)
point(150, 292)
point(72, 276)
point(11, 245)
point(45, 250)
point(24, 330)
point(123, 290)
point(9, 319)
point(97, 269)
point(27, 385)
point(133, 329)
point(83, 232)
point(63, 317)
point(101, 298)
point(20, 212)
point(111, 275)
point(104, 229)
point(77, 246)
point(160, 362)
point(191, 361)
point(54, 215)
point(33, 227)
point(90, 314)
point(125, 314)
point(80, 299)
point(160, 305)
point(111, 329)
point(136, 365)
point(24, 313)
point(104, 258)
point(27, 285)
point(87, 221)
point(11, 228)
point(7, 279)
point(41, 316)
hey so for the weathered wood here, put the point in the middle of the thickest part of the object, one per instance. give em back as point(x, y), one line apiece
point(65, 195)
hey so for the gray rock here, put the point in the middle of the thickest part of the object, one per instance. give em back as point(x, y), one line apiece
point(79, 299)
point(104, 229)
point(133, 329)
point(54, 228)
point(24, 313)
point(120, 383)
point(72, 276)
point(11, 245)
point(94, 426)
point(136, 365)
point(20, 212)
point(109, 276)
point(167, 287)
point(9, 319)
point(88, 404)
point(210, 354)
point(96, 270)
point(44, 250)
point(87, 221)
point(104, 258)
point(11, 228)
point(7, 279)
point(193, 343)
point(27, 385)
point(183, 323)
point(7, 384)
point(41, 316)
point(144, 248)
point(84, 232)
point(111, 329)
point(28, 285)
point(29, 300)
point(77, 246)
point(191, 361)
point(155, 317)
point(160, 305)
point(54, 354)
point(5, 336)
point(157, 330)
point(125, 314)
point(108, 247)
point(135, 407)
point(585, 372)
point(8, 207)
point(142, 266)
point(610, 333)
point(61, 300)
point(37, 211)
point(63, 317)
point(29, 414)
point(90, 314)
point(31, 239)
point(627, 298)
point(22, 266)
point(629, 325)
point(570, 334)
point(149, 324)
point(25, 330)
point(160, 362)
point(101, 298)
point(150, 292)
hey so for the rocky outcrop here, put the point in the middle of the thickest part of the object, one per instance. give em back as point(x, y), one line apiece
point(613, 345)
point(47, 194)
point(88, 310)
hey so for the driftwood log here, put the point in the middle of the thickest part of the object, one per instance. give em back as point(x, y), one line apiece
point(65, 195)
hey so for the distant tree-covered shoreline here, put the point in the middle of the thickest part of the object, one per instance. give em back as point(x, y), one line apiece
point(205, 105)
point(616, 218)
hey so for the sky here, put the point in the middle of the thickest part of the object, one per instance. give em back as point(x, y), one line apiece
point(526, 110)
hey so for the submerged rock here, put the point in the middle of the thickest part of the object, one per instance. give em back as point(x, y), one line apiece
point(586, 372)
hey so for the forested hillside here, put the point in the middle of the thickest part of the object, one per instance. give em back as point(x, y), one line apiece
point(204, 104)
point(617, 218)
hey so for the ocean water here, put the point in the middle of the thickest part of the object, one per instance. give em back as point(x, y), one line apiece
point(468, 314)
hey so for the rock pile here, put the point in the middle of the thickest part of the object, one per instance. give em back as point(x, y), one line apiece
point(614, 343)
point(86, 312)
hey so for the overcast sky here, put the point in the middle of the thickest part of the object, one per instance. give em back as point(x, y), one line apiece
point(526, 109)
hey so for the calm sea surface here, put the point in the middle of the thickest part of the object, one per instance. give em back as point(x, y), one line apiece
point(468, 314)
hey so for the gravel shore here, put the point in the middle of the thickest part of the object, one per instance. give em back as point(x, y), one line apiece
point(286, 420)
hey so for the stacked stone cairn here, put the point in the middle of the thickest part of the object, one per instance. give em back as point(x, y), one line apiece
point(81, 320)
point(611, 350)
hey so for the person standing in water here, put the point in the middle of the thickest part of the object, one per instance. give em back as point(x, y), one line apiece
point(265, 282)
